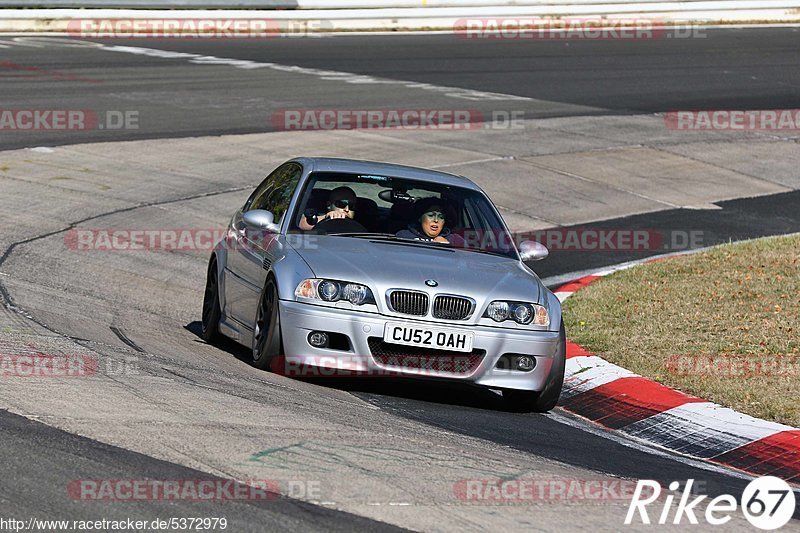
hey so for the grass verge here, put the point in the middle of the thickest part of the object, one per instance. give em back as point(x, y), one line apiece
point(723, 324)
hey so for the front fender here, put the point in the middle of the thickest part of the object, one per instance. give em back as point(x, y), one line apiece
point(221, 254)
point(289, 270)
point(553, 309)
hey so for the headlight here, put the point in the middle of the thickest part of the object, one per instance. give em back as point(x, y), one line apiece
point(523, 313)
point(329, 290)
point(356, 294)
point(519, 312)
point(498, 311)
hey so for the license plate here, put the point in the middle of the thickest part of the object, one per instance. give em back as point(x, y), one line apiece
point(439, 339)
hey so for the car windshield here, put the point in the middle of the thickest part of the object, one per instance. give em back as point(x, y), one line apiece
point(416, 212)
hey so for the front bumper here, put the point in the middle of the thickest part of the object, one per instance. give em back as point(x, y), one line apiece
point(299, 319)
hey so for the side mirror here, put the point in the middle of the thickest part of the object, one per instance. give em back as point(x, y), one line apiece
point(260, 219)
point(532, 251)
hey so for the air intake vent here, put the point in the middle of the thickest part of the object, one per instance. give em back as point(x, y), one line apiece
point(452, 307)
point(409, 302)
point(405, 358)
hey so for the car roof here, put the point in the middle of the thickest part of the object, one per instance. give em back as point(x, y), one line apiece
point(356, 166)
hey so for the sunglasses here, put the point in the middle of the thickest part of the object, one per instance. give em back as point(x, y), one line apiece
point(341, 204)
point(434, 215)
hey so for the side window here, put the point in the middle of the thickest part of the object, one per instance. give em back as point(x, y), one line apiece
point(276, 192)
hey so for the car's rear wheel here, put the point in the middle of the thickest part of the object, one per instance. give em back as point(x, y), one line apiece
point(267, 342)
point(541, 402)
point(211, 310)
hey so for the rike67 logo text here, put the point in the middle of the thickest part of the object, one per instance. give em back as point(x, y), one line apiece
point(767, 503)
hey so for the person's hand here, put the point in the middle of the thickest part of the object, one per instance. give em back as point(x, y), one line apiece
point(336, 214)
point(441, 239)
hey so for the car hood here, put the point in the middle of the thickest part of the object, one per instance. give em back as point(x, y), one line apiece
point(383, 265)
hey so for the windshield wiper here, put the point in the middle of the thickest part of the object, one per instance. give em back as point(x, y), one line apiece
point(398, 241)
point(390, 237)
point(365, 235)
point(439, 245)
point(490, 252)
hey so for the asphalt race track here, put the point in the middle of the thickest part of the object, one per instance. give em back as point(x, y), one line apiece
point(728, 69)
point(25, 494)
point(383, 453)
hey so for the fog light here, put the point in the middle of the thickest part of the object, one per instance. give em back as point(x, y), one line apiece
point(318, 339)
point(525, 363)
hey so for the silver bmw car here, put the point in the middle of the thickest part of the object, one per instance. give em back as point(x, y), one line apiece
point(343, 267)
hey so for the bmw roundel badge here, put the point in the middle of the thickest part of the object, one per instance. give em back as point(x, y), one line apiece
point(431, 283)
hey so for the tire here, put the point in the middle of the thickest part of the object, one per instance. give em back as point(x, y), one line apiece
point(267, 341)
point(211, 310)
point(544, 401)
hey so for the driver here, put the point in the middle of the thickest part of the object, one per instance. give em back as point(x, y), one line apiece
point(341, 205)
point(430, 223)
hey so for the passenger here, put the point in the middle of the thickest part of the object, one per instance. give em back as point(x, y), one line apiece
point(341, 205)
point(430, 223)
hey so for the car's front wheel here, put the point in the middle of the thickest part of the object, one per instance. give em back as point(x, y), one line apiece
point(211, 309)
point(541, 402)
point(267, 342)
